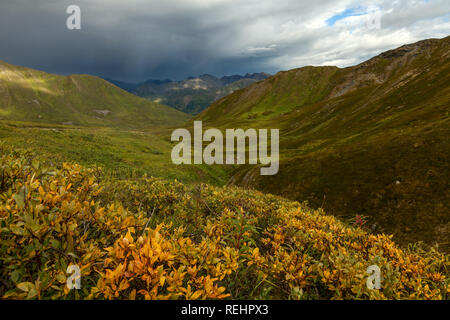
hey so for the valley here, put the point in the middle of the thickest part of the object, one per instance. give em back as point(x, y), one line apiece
point(86, 177)
point(368, 140)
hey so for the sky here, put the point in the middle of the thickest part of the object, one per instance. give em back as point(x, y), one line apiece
point(137, 40)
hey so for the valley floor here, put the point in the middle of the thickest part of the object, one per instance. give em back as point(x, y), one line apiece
point(123, 153)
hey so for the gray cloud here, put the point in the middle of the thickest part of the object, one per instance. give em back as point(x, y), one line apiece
point(135, 40)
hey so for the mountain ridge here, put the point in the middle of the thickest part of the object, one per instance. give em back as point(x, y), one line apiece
point(193, 94)
point(32, 95)
point(369, 139)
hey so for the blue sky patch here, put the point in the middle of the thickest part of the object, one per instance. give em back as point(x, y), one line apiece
point(344, 14)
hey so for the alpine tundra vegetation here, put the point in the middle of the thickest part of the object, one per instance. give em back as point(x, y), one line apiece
point(87, 181)
point(150, 238)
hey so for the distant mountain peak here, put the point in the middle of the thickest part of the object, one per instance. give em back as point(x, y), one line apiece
point(192, 94)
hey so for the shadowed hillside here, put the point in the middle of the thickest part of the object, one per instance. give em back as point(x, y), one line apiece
point(371, 139)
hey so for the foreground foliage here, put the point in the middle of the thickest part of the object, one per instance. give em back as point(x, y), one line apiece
point(154, 239)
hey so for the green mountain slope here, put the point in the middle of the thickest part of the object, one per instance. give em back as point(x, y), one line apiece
point(31, 95)
point(371, 139)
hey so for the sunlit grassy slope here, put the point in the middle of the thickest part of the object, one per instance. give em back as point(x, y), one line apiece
point(150, 238)
point(372, 139)
point(86, 119)
point(122, 153)
point(31, 95)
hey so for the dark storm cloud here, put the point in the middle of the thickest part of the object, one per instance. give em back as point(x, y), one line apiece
point(135, 40)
